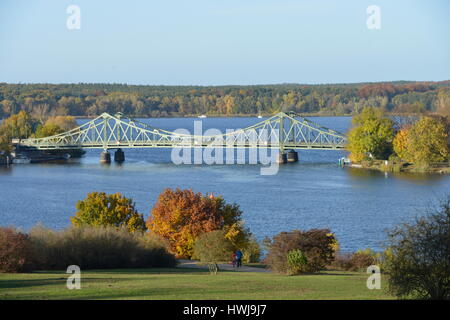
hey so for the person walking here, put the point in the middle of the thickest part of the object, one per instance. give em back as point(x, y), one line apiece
point(233, 259)
point(239, 258)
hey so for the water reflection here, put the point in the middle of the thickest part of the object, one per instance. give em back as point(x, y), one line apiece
point(360, 174)
point(5, 170)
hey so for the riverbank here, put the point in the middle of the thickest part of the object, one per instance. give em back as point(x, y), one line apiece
point(398, 166)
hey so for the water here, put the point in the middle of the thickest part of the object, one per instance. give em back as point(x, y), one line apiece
point(357, 205)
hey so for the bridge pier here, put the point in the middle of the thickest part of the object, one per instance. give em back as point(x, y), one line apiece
point(282, 158)
point(292, 156)
point(119, 156)
point(105, 157)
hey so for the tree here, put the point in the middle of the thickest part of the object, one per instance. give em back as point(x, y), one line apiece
point(213, 247)
point(66, 123)
point(100, 209)
point(180, 216)
point(417, 258)
point(47, 130)
point(18, 126)
point(423, 143)
point(400, 143)
point(371, 135)
point(55, 125)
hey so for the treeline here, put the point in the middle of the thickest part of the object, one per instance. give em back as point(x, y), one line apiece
point(44, 100)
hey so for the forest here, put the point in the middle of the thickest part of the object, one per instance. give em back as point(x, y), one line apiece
point(86, 99)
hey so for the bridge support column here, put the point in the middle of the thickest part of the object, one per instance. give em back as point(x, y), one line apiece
point(119, 156)
point(105, 157)
point(282, 158)
point(292, 156)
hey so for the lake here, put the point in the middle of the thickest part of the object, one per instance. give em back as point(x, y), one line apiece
point(356, 204)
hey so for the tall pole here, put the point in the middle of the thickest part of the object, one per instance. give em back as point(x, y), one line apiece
point(281, 135)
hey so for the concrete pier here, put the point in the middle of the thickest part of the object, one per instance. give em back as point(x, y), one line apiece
point(105, 157)
point(282, 158)
point(119, 156)
point(292, 156)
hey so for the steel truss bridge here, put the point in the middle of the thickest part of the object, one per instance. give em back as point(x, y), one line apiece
point(281, 131)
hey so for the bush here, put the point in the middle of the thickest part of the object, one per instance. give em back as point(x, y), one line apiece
point(357, 261)
point(297, 262)
point(96, 248)
point(252, 251)
point(15, 251)
point(317, 245)
point(213, 247)
point(417, 258)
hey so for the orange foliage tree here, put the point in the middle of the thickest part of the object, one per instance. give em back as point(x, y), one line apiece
point(180, 216)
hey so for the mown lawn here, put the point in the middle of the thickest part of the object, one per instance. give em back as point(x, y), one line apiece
point(193, 284)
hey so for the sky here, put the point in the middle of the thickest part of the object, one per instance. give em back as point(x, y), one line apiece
point(223, 42)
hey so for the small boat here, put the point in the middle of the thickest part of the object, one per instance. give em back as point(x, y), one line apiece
point(202, 116)
point(20, 159)
point(259, 116)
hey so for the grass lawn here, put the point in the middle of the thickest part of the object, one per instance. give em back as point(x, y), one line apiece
point(186, 283)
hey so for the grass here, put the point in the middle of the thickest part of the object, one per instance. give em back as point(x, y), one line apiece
point(192, 284)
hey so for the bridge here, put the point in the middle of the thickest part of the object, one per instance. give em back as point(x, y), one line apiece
point(283, 131)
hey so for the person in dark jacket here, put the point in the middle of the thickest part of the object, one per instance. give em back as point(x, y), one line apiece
point(239, 258)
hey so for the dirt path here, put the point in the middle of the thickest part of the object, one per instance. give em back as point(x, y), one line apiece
point(195, 264)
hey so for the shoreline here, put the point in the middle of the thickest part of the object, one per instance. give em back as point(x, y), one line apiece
point(401, 167)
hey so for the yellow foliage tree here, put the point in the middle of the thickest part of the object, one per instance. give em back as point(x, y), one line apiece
point(100, 209)
point(400, 143)
point(428, 141)
point(425, 142)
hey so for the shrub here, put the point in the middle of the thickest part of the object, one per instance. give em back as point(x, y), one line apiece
point(417, 258)
point(356, 261)
point(317, 245)
point(252, 251)
point(96, 248)
point(100, 209)
point(15, 251)
point(180, 216)
point(297, 262)
point(213, 247)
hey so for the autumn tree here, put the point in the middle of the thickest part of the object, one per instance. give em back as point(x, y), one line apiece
point(371, 135)
point(423, 143)
point(400, 143)
point(18, 126)
point(101, 209)
point(180, 216)
point(55, 125)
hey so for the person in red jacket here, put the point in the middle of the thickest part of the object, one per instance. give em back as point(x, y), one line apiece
point(233, 259)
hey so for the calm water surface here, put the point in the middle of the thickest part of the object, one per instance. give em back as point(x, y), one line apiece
point(357, 205)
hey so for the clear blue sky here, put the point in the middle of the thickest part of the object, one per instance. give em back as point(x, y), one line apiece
point(215, 42)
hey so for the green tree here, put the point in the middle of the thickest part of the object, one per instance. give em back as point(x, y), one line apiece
point(417, 258)
point(371, 136)
point(213, 247)
point(18, 126)
point(47, 130)
point(101, 209)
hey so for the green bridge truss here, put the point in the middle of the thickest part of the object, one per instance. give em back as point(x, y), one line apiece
point(281, 131)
